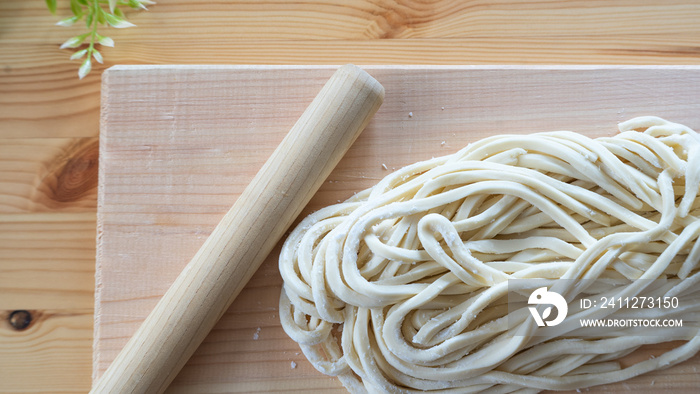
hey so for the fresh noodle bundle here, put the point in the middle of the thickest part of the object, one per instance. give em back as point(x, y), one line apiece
point(413, 271)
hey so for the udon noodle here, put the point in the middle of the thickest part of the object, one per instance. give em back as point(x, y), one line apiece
point(403, 287)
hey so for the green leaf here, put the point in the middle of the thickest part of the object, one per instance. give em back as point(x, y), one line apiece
point(68, 21)
point(78, 54)
point(96, 14)
point(106, 41)
point(140, 4)
point(98, 56)
point(116, 21)
point(51, 4)
point(76, 8)
point(85, 68)
point(74, 42)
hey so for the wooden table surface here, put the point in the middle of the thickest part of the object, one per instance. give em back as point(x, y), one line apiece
point(49, 118)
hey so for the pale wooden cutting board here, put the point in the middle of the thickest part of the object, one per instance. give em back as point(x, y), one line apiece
point(179, 143)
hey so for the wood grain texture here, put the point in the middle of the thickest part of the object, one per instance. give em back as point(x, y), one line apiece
point(246, 234)
point(41, 97)
point(48, 196)
point(172, 171)
point(59, 273)
point(47, 267)
point(48, 175)
point(50, 355)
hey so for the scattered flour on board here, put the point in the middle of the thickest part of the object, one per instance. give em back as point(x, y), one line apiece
point(293, 364)
point(256, 335)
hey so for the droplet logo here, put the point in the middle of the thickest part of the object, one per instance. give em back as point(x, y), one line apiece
point(543, 297)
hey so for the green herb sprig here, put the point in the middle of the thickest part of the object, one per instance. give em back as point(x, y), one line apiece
point(95, 15)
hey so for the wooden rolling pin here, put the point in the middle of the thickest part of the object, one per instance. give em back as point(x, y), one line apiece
point(245, 236)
